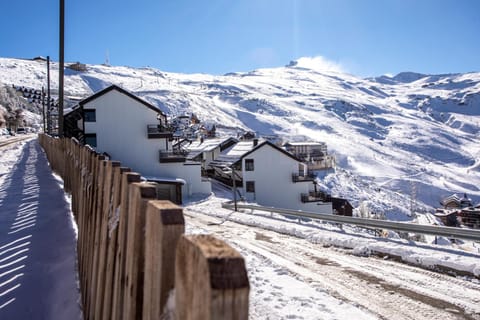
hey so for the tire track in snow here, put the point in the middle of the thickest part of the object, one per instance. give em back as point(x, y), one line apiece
point(356, 280)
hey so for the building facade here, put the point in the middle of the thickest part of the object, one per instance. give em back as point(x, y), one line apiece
point(273, 177)
point(136, 133)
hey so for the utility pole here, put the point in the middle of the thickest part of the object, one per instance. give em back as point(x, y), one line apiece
point(413, 198)
point(60, 68)
point(43, 108)
point(234, 187)
point(49, 129)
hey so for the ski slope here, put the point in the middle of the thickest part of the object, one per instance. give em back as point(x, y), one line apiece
point(400, 142)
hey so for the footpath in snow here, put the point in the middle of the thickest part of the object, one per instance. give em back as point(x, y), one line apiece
point(37, 239)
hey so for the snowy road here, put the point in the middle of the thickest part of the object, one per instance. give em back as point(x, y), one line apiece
point(294, 279)
point(37, 239)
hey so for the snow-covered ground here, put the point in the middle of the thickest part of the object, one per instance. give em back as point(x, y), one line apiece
point(401, 142)
point(297, 269)
point(313, 270)
point(37, 239)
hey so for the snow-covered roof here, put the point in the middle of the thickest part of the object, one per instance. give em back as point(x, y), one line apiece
point(243, 148)
point(126, 93)
point(234, 153)
point(165, 180)
point(205, 145)
point(198, 146)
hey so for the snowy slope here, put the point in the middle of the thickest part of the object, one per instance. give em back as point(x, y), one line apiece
point(393, 137)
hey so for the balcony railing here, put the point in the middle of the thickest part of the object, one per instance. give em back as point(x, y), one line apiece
point(313, 196)
point(302, 177)
point(173, 156)
point(155, 131)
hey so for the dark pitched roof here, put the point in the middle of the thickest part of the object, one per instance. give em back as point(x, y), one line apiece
point(125, 92)
point(261, 145)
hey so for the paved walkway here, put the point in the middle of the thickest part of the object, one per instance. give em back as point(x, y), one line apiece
point(38, 275)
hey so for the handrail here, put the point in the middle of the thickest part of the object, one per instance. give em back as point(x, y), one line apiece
point(449, 232)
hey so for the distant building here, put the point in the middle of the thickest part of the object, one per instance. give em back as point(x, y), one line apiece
point(314, 154)
point(270, 176)
point(136, 133)
point(77, 66)
point(455, 201)
point(207, 150)
point(459, 211)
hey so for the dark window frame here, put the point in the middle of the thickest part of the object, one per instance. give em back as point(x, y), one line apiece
point(249, 165)
point(90, 115)
point(91, 136)
point(250, 186)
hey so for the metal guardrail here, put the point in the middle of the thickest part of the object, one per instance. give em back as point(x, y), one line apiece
point(449, 232)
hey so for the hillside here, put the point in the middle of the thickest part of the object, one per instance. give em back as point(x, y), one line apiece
point(393, 137)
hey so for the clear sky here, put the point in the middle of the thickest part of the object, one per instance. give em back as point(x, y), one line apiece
point(364, 37)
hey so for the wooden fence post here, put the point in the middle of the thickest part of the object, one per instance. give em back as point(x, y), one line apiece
point(163, 228)
point(96, 221)
point(140, 193)
point(113, 223)
point(104, 212)
point(131, 250)
point(211, 281)
point(90, 244)
point(119, 277)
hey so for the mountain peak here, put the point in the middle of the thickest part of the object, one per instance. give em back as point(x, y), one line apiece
point(317, 63)
point(407, 77)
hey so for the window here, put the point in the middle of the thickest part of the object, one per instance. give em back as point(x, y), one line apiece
point(250, 186)
point(249, 165)
point(89, 115)
point(91, 139)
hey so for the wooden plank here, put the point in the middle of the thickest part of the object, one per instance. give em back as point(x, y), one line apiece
point(211, 280)
point(163, 228)
point(97, 176)
point(119, 278)
point(114, 217)
point(90, 159)
point(107, 205)
point(97, 218)
point(140, 193)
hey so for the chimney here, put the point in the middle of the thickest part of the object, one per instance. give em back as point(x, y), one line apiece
point(255, 142)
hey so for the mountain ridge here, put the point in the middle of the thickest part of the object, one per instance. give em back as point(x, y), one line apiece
point(414, 132)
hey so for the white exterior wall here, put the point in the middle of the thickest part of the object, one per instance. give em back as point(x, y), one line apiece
point(209, 156)
point(121, 128)
point(273, 182)
point(190, 173)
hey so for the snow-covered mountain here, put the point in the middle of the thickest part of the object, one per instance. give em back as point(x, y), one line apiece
point(400, 141)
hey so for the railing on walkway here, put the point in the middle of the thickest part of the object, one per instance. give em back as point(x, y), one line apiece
point(132, 250)
point(314, 196)
point(172, 156)
point(449, 232)
point(155, 131)
point(303, 177)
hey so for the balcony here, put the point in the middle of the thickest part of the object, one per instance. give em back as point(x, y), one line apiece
point(303, 177)
point(314, 196)
point(155, 131)
point(172, 156)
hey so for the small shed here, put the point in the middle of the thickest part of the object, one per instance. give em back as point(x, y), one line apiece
point(78, 67)
point(341, 207)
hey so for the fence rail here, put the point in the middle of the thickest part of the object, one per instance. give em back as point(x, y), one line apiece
point(450, 232)
point(132, 250)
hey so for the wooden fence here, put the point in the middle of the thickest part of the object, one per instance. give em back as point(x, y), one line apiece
point(132, 251)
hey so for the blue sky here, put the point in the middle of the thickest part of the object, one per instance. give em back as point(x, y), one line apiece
point(363, 37)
